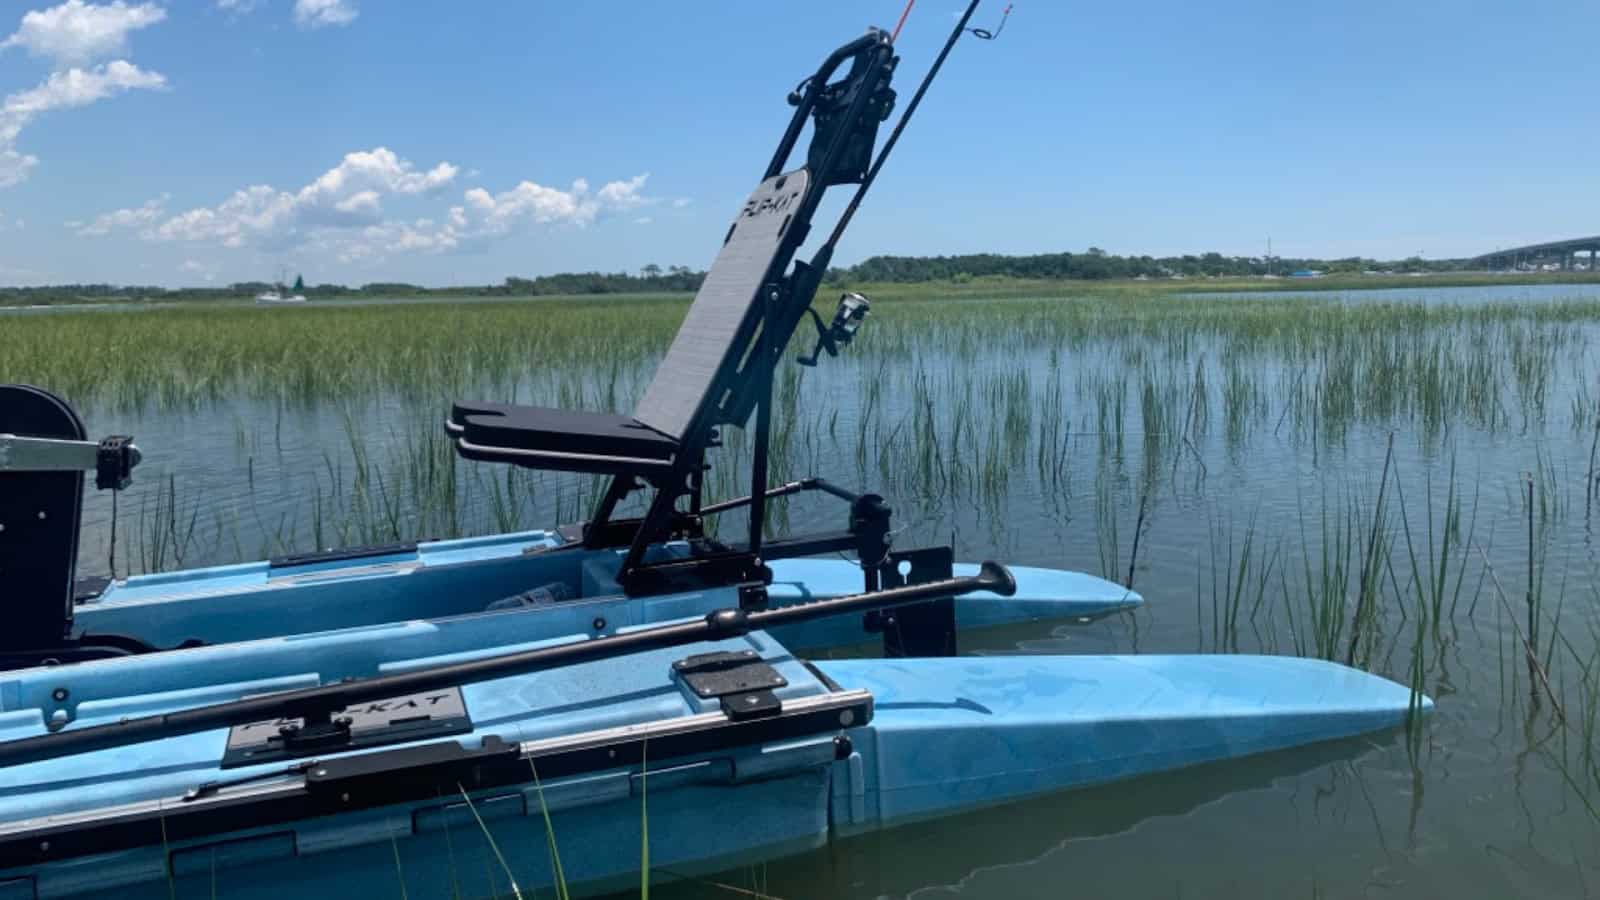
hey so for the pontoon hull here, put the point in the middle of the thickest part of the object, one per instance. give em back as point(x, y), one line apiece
point(947, 735)
point(459, 577)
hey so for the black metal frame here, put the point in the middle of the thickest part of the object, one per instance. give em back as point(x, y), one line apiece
point(846, 115)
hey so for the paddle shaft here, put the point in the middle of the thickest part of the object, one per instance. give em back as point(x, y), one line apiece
point(317, 702)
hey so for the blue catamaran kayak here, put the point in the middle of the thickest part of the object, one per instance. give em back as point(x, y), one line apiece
point(473, 718)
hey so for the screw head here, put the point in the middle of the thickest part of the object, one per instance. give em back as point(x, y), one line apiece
point(59, 694)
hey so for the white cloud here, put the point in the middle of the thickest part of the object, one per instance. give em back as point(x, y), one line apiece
point(681, 202)
point(62, 90)
point(624, 194)
point(365, 173)
point(76, 33)
point(643, 220)
point(206, 271)
point(485, 217)
point(350, 195)
point(237, 7)
point(255, 214)
point(73, 87)
point(14, 166)
point(323, 13)
point(341, 211)
point(123, 218)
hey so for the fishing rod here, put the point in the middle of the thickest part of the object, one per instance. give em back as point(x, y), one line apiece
point(985, 34)
point(317, 704)
point(900, 126)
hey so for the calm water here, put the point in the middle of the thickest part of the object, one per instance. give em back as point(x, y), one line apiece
point(1488, 809)
point(1498, 293)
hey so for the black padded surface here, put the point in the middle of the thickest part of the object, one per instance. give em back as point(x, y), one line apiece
point(705, 341)
point(39, 514)
point(559, 431)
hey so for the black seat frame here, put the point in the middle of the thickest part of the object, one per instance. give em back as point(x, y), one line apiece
point(846, 114)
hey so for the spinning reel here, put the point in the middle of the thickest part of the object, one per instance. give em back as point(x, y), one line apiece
point(847, 319)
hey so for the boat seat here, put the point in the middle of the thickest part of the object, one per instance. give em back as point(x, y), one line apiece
point(692, 385)
point(570, 439)
point(575, 430)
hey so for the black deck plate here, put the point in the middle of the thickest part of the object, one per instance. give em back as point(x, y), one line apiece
point(722, 673)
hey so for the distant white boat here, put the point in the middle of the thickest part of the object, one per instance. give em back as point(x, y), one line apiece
point(281, 294)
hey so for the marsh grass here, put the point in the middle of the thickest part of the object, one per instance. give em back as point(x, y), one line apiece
point(1115, 412)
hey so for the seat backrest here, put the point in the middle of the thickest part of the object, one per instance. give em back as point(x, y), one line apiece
point(722, 320)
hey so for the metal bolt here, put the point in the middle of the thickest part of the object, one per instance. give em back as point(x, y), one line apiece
point(60, 694)
point(320, 772)
point(44, 846)
point(344, 798)
point(41, 515)
point(599, 623)
point(847, 718)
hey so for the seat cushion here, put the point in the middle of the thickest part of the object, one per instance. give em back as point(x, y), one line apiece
point(558, 431)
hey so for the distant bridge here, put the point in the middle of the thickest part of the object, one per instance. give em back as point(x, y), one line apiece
point(1562, 253)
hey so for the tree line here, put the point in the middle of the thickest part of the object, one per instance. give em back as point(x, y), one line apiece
point(1096, 265)
point(1092, 265)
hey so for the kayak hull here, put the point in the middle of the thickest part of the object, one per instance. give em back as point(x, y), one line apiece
point(945, 736)
point(443, 579)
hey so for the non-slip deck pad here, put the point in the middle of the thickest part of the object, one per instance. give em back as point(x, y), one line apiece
point(685, 380)
point(39, 514)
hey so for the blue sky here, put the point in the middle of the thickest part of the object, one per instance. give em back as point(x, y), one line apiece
point(208, 141)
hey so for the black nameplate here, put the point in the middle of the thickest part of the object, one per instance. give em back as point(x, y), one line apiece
point(408, 718)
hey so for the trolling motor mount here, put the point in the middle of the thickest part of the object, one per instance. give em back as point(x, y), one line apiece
point(44, 455)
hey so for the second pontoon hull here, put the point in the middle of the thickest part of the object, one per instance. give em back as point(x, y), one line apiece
point(461, 577)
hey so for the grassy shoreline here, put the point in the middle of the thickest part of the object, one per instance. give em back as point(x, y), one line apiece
point(995, 286)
